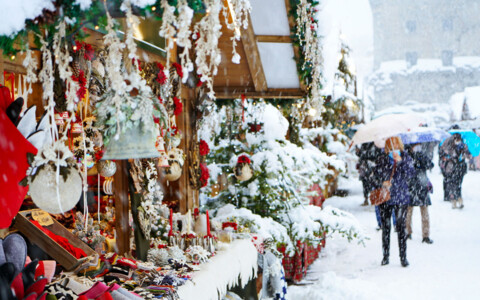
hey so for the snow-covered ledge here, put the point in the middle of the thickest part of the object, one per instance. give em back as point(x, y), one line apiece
point(233, 261)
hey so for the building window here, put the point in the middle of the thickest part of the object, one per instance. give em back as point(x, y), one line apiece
point(411, 58)
point(447, 58)
point(447, 25)
point(411, 26)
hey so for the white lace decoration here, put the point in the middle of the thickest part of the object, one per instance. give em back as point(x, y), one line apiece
point(239, 9)
point(207, 33)
point(311, 52)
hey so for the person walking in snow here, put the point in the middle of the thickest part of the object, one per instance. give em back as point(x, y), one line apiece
point(453, 155)
point(377, 181)
point(367, 154)
point(400, 164)
point(420, 187)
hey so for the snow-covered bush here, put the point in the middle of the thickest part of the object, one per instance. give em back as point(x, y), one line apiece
point(277, 195)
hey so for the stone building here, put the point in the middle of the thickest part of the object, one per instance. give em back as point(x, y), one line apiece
point(424, 50)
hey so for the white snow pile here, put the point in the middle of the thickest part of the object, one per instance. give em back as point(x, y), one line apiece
point(337, 145)
point(265, 227)
point(275, 126)
point(14, 14)
point(307, 221)
point(465, 105)
point(234, 266)
point(333, 287)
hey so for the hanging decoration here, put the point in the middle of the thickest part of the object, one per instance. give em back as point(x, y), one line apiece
point(206, 35)
point(310, 63)
point(243, 170)
point(175, 160)
point(106, 168)
point(54, 179)
point(238, 11)
point(126, 111)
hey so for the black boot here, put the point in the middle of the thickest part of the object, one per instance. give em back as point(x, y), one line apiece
point(427, 240)
point(404, 262)
point(385, 261)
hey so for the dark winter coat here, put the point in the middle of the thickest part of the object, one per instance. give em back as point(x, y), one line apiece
point(399, 191)
point(420, 185)
point(367, 155)
point(452, 158)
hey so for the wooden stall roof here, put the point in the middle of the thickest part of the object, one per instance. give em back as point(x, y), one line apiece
point(267, 68)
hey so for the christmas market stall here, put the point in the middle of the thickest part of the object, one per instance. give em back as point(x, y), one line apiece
point(162, 149)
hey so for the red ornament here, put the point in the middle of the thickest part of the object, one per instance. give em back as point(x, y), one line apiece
point(82, 82)
point(230, 224)
point(243, 159)
point(255, 127)
point(179, 69)
point(99, 155)
point(161, 77)
point(89, 52)
point(203, 147)
point(178, 106)
point(173, 130)
point(205, 174)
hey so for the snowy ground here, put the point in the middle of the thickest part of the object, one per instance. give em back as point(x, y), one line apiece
point(447, 269)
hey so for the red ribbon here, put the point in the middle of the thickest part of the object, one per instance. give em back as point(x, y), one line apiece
point(243, 108)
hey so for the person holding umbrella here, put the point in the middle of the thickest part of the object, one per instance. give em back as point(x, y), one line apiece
point(420, 187)
point(453, 154)
point(398, 166)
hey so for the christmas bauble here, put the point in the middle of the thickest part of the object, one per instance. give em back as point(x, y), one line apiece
point(43, 190)
point(106, 168)
point(173, 172)
point(176, 161)
point(243, 172)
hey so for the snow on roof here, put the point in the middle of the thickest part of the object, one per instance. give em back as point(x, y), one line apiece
point(382, 76)
point(456, 105)
point(269, 17)
point(436, 114)
point(14, 13)
point(279, 65)
point(472, 95)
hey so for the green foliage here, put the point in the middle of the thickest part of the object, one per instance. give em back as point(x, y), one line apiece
point(94, 16)
point(304, 68)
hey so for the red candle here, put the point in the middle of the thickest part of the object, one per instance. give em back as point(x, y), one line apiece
point(170, 233)
point(208, 225)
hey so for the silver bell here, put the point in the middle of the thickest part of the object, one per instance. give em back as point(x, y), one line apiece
point(133, 143)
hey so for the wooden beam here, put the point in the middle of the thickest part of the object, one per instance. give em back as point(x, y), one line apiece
point(2, 68)
point(269, 94)
point(122, 228)
point(273, 39)
point(253, 57)
point(296, 50)
point(14, 67)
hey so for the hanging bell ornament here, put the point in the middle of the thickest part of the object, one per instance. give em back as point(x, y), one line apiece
point(133, 143)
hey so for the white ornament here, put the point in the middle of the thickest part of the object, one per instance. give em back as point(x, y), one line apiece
point(53, 197)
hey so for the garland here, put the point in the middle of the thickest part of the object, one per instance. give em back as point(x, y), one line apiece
point(304, 35)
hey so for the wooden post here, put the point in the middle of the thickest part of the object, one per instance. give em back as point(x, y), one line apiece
point(122, 228)
point(2, 68)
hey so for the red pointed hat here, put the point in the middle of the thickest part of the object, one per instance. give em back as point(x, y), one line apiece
point(13, 167)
